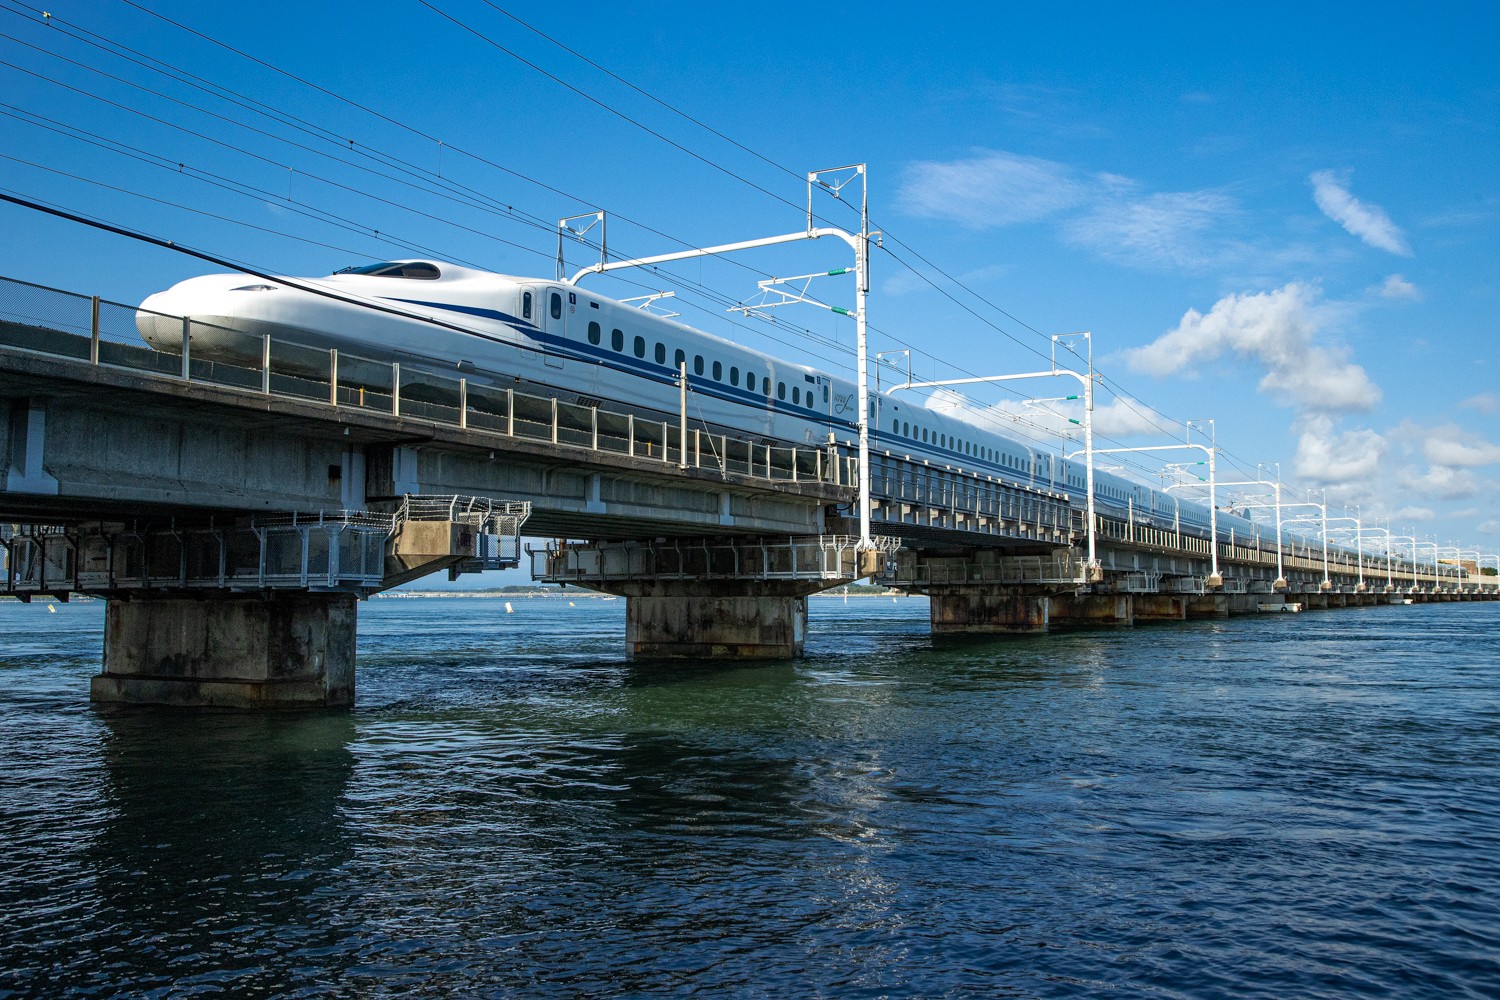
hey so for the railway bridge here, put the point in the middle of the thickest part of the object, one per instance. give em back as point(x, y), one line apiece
point(232, 515)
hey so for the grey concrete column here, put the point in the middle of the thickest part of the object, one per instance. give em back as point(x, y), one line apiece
point(1159, 607)
point(1208, 606)
point(1246, 604)
point(980, 610)
point(25, 440)
point(276, 652)
point(714, 620)
point(1092, 609)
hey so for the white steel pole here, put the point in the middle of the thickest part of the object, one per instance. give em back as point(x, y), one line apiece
point(1088, 448)
point(1323, 509)
point(1280, 572)
point(682, 384)
point(862, 263)
point(1214, 579)
point(1359, 550)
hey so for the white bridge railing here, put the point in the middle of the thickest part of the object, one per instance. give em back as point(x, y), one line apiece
point(48, 321)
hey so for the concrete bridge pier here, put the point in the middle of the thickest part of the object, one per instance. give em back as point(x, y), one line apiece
point(277, 650)
point(1093, 609)
point(712, 598)
point(987, 610)
point(718, 619)
point(1159, 607)
point(1208, 606)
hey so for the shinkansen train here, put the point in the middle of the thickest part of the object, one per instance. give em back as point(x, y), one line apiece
point(568, 342)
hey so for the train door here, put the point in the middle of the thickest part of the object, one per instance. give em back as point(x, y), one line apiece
point(823, 398)
point(553, 322)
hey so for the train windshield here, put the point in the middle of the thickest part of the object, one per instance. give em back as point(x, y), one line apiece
point(396, 269)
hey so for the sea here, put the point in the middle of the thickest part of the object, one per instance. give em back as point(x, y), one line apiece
point(1272, 806)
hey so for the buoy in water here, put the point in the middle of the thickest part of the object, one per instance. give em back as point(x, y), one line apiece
point(508, 609)
point(51, 609)
point(572, 605)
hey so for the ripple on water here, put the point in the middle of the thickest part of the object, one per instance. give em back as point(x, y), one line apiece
point(1302, 806)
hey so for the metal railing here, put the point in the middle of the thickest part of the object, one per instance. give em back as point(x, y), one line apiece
point(810, 558)
point(1049, 570)
point(55, 323)
point(322, 550)
point(329, 556)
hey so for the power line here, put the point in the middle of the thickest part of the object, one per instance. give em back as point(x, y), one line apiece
point(1149, 418)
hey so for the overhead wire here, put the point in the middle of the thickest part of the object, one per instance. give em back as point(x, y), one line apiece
point(532, 221)
point(1124, 398)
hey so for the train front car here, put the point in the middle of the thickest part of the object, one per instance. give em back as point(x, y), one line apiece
point(379, 311)
point(218, 311)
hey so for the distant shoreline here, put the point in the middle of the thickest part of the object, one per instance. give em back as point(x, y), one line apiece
point(551, 595)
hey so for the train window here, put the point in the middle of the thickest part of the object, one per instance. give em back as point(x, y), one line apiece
point(825, 394)
point(595, 334)
point(697, 364)
point(765, 386)
point(734, 375)
point(924, 436)
point(526, 305)
point(679, 359)
point(796, 395)
point(640, 346)
point(718, 372)
point(895, 427)
point(556, 306)
point(661, 353)
point(781, 390)
point(396, 269)
point(617, 339)
point(906, 429)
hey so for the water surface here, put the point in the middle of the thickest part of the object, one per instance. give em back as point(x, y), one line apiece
point(1283, 806)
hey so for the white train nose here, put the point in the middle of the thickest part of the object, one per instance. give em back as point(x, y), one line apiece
point(159, 320)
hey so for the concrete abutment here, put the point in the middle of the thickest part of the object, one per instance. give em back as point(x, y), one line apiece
point(282, 650)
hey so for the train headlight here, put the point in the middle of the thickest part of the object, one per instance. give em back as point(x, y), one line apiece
point(254, 288)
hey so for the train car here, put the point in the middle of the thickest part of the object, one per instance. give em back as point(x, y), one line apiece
point(559, 339)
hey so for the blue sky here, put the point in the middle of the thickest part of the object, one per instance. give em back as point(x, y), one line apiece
point(1283, 218)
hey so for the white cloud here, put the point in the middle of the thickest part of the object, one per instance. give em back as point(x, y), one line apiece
point(1490, 527)
point(1123, 416)
point(1368, 222)
point(1485, 402)
point(1453, 447)
point(991, 188)
point(1444, 483)
point(1105, 213)
point(1397, 287)
point(1414, 514)
point(904, 282)
point(1327, 458)
point(1278, 330)
point(1167, 228)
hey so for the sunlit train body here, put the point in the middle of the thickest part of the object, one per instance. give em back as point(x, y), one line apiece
point(565, 341)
